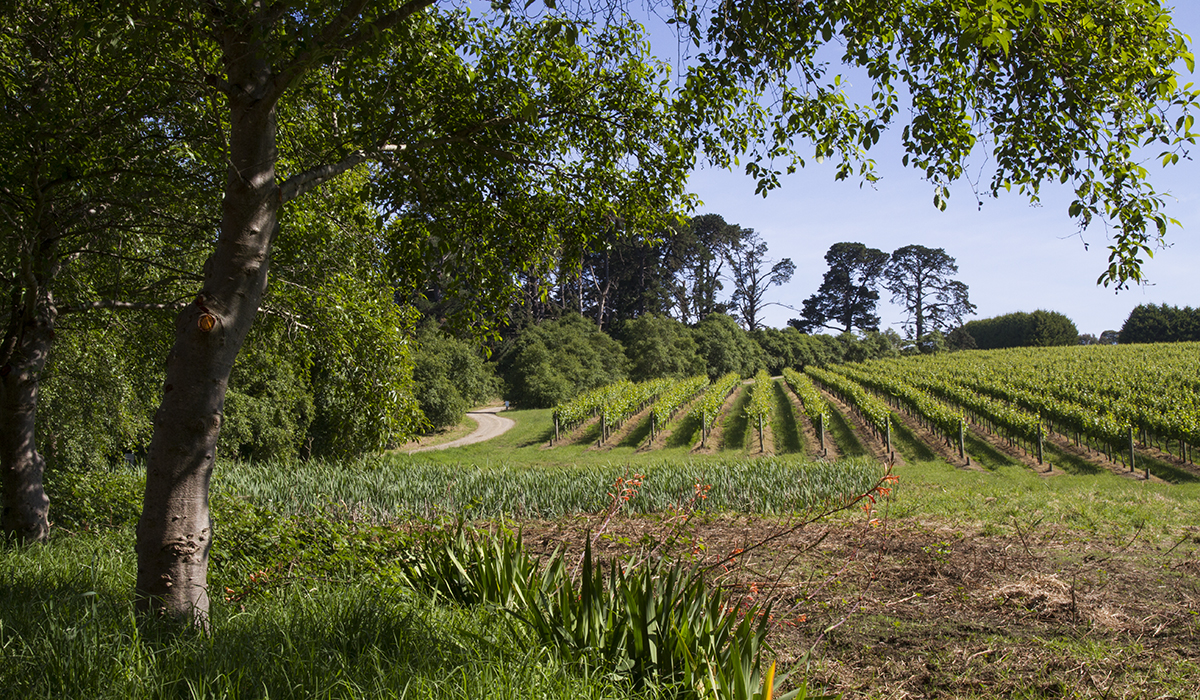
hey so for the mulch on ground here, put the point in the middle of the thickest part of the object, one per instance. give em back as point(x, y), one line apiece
point(907, 609)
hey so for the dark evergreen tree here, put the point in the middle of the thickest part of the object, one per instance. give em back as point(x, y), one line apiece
point(702, 249)
point(847, 297)
point(960, 339)
point(626, 277)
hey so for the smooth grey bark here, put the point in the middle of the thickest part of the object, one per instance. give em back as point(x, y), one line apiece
point(26, 508)
point(175, 530)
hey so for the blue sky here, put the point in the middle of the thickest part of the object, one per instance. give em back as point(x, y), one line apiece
point(1012, 256)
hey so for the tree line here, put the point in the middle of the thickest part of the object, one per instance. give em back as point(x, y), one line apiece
point(919, 278)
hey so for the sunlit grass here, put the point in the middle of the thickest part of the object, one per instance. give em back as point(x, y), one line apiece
point(67, 630)
point(1011, 495)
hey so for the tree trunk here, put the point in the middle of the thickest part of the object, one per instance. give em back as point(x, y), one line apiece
point(26, 508)
point(175, 531)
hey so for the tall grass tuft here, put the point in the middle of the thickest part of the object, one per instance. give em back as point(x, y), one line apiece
point(656, 627)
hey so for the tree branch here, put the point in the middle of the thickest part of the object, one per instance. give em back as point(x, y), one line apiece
point(332, 39)
point(292, 319)
point(306, 181)
point(121, 306)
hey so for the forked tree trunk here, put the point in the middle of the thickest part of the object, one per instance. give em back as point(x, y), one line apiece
point(26, 509)
point(175, 531)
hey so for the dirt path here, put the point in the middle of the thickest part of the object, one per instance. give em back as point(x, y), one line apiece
point(490, 426)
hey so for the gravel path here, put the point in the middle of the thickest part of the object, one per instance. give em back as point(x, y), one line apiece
point(490, 426)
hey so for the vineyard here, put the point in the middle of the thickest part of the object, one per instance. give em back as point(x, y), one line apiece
point(1124, 407)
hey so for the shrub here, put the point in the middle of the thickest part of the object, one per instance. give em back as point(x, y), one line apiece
point(1038, 329)
point(555, 360)
point(726, 348)
point(659, 346)
point(450, 377)
point(1148, 323)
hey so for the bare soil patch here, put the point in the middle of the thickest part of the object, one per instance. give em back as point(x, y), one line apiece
point(927, 610)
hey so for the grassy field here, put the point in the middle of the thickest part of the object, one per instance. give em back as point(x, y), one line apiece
point(994, 581)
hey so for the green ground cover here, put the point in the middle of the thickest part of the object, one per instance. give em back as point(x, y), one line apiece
point(311, 597)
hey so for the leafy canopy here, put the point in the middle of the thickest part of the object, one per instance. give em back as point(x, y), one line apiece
point(1071, 91)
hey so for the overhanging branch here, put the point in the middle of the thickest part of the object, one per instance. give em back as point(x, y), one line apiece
point(121, 306)
point(333, 38)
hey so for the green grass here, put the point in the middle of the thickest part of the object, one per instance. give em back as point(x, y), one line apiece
point(784, 426)
point(67, 630)
point(1010, 494)
point(736, 430)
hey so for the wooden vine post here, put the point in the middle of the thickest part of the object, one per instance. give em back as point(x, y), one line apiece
point(760, 434)
point(888, 421)
point(1040, 448)
point(1131, 453)
point(821, 433)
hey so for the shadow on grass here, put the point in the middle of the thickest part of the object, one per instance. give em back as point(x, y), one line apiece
point(542, 439)
point(784, 425)
point(737, 425)
point(1070, 463)
point(639, 434)
point(909, 447)
point(686, 433)
point(291, 646)
point(588, 436)
point(1165, 470)
point(847, 442)
point(1074, 464)
point(987, 456)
